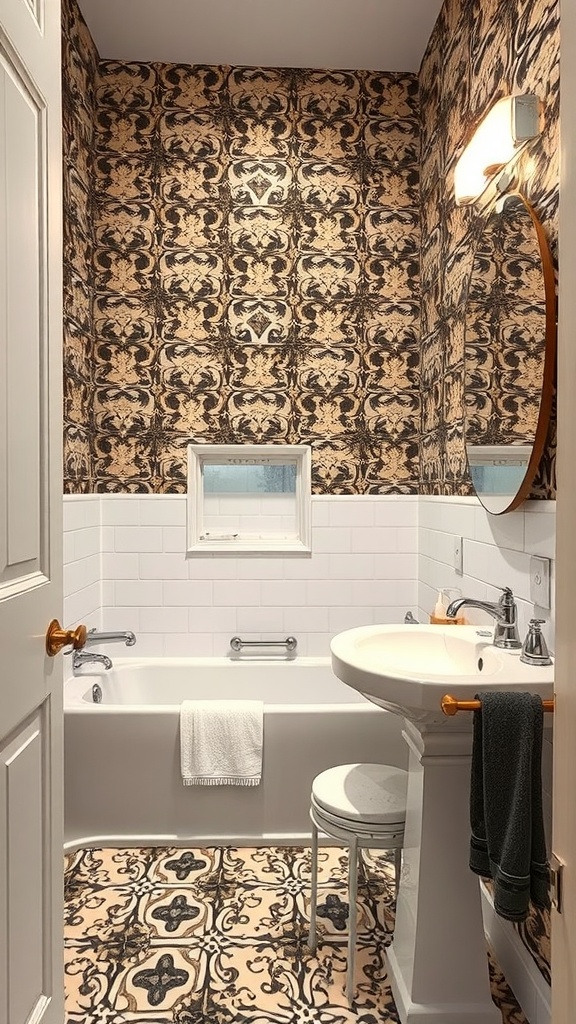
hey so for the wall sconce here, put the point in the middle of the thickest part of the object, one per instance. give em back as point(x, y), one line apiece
point(503, 132)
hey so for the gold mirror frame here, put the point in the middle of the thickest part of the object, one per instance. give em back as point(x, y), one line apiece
point(512, 502)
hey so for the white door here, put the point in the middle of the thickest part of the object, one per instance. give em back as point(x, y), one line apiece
point(31, 979)
point(564, 817)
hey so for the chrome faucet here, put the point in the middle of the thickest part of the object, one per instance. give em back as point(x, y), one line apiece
point(534, 648)
point(80, 658)
point(503, 610)
point(127, 637)
point(83, 657)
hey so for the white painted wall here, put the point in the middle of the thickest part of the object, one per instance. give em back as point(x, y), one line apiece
point(313, 34)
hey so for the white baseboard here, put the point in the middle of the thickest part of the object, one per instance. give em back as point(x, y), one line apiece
point(522, 974)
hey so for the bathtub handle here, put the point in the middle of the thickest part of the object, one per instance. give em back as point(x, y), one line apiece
point(290, 643)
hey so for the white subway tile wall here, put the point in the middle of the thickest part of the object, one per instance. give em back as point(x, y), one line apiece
point(496, 553)
point(363, 569)
point(373, 558)
point(82, 560)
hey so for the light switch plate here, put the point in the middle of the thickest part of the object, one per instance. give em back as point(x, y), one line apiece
point(458, 555)
point(540, 581)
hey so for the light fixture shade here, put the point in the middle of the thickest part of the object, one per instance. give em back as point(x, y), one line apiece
point(508, 125)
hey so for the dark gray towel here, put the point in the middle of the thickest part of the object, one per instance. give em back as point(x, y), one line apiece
point(508, 842)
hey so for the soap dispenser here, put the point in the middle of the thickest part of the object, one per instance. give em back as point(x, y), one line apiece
point(438, 616)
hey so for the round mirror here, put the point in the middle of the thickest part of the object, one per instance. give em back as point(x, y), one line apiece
point(509, 349)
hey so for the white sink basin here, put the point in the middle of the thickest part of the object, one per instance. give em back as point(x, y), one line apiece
point(408, 669)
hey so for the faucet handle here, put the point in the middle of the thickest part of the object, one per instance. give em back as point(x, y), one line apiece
point(534, 648)
point(507, 602)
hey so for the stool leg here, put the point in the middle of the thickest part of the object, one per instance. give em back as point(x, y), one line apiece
point(314, 890)
point(397, 869)
point(352, 898)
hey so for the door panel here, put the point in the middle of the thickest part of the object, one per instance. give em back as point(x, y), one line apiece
point(26, 850)
point(23, 321)
point(22, 274)
point(31, 856)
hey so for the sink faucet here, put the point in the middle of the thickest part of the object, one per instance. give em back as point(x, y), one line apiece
point(503, 610)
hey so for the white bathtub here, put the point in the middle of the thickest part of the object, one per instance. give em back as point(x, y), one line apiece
point(122, 757)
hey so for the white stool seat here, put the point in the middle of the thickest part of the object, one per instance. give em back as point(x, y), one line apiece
point(372, 794)
point(363, 805)
point(360, 828)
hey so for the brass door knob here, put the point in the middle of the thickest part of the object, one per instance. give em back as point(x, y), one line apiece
point(57, 638)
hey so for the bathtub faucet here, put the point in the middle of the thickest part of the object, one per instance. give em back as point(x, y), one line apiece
point(80, 658)
point(127, 637)
point(84, 657)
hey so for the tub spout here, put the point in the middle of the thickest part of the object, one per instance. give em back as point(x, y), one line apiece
point(94, 637)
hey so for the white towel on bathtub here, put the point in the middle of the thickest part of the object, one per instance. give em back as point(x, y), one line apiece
point(221, 742)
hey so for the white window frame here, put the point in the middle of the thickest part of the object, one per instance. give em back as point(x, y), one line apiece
point(249, 454)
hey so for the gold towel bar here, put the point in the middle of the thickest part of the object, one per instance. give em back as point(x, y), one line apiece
point(451, 706)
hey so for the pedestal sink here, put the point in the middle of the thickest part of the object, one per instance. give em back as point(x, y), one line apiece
point(437, 961)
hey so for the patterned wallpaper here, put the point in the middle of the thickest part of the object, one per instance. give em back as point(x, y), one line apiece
point(505, 338)
point(80, 61)
point(477, 53)
point(242, 255)
point(256, 271)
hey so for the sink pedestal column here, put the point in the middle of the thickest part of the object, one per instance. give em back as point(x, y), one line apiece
point(438, 967)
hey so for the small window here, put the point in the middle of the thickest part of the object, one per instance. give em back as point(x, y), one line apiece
point(249, 498)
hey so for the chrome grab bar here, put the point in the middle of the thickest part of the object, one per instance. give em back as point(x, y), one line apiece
point(290, 643)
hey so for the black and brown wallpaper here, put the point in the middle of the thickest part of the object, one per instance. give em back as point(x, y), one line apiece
point(505, 331)
point(255, 272)
point(477, 53)
point(80, 60)
point(243, 255)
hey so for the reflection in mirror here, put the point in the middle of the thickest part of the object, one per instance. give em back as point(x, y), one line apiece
point(509, 354)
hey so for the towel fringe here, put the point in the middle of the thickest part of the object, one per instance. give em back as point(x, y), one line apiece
point(228, 780)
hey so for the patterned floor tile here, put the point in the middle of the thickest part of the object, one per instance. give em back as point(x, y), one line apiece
point(159, 981)
point(219, 936)
point(101, 907)
point(535, 934)
point(176, 913)
point(503, 995)
point(111, 867)
point(175, 865)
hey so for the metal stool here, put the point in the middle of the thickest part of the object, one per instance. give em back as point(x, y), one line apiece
point(363, 805)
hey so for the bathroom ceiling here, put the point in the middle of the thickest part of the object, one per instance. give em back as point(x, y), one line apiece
point(377, 35)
